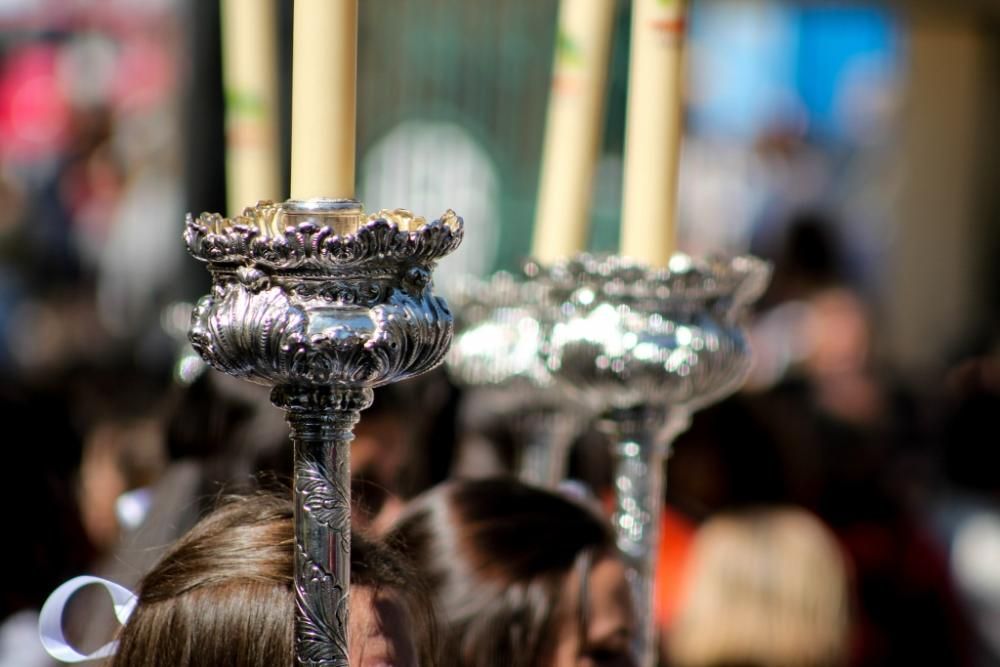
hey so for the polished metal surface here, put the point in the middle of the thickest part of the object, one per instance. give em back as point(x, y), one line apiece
point(645, 347)
point(641, 437)
point(630, 335)
point(501, 332)
point(503, 324)
point(321, 421)
point(323, 303)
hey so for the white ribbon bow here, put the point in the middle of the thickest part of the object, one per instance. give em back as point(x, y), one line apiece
point(50, 629)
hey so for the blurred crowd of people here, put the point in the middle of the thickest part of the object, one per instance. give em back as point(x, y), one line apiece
point(828, 514)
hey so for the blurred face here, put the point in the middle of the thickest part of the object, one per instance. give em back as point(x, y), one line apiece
point(608, 626)
point(380, 630)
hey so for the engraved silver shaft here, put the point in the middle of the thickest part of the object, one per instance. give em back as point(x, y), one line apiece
point(321, 421)
point(324, 304)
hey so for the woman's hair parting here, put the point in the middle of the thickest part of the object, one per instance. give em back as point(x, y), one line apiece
point(496, 554)
point(222, 596)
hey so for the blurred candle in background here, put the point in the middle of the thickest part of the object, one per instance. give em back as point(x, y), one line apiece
point(250, 78)
point(324, 92)
point(653, 130)
point(573, 128)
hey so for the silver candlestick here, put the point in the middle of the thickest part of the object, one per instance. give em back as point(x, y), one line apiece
point(503, 324)
point(644, 348)
point(324, 304)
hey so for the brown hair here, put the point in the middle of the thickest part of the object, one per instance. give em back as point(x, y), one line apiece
point(496, 554)
point(766, 588)
point(222, 596)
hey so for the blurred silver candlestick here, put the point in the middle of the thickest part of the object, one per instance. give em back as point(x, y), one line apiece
point(645, 347)
point(502, 326)
point(323, 304)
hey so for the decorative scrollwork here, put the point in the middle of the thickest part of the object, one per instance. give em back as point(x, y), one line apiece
point(342, 292)
point(248, 334)
point(267, 235)
point(323, 311)
point(320, 502)
point(321, 605)
point(305, 335)
point(322, 439)
point(309, 307)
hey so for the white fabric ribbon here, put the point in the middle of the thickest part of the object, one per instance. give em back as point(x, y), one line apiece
point(50, 629)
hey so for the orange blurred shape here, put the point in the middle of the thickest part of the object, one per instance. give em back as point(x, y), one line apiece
point(676, 536)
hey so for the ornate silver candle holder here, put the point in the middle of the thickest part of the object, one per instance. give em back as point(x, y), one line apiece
point(324, 304)
point(503, 325)
point(644, 348)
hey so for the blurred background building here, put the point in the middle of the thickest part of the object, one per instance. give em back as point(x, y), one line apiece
point(873, 120)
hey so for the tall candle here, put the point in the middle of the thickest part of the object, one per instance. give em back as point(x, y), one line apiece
point(573, 128)
point(653, 131)
point(250, 77)
point(324, 82)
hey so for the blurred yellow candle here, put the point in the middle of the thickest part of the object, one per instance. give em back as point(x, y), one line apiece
point(324, 83)
point(653, 131)
point(250, 77)
point(573, 128)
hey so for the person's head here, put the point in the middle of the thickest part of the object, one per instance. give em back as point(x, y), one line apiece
point(519, 576)
point(766, 588)
point(223, 596)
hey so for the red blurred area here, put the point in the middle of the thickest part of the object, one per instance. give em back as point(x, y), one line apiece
point(35, 113)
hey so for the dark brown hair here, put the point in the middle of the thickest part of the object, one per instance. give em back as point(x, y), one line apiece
point(495, 555)
point(222, 596)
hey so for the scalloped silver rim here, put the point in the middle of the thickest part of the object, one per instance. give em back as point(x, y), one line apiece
point(744, 276)
point(246, 239)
